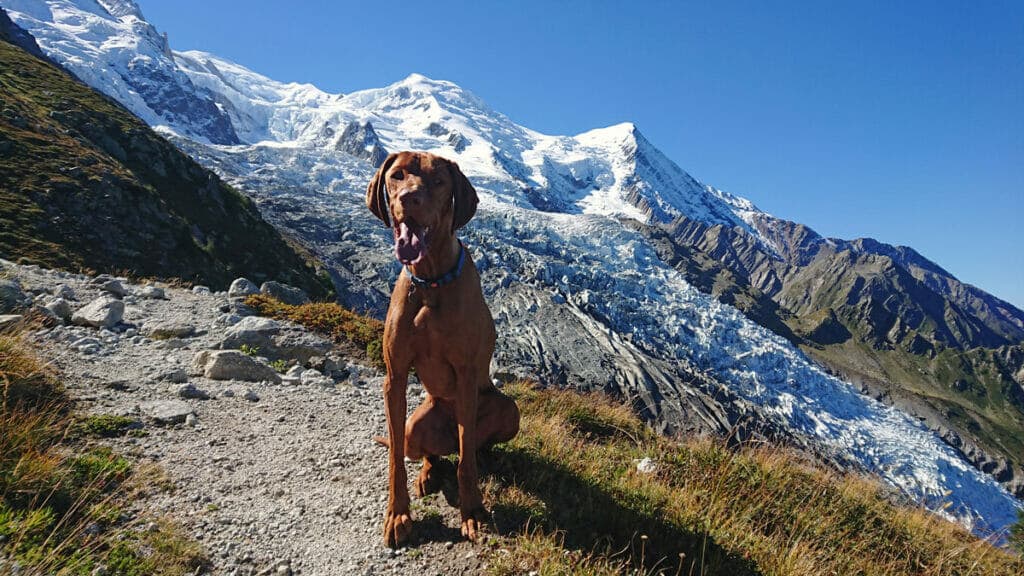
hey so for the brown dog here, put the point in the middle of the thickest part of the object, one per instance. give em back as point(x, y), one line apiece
point(438, 323)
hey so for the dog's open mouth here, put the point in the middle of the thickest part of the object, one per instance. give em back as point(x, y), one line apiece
point(411, 242)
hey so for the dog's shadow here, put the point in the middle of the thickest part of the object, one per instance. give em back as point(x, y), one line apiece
point(590, 520)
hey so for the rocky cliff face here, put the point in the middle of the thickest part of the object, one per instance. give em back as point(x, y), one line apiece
point(882, 316)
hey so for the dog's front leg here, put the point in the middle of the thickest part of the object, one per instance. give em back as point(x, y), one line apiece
point(471, 502)
point(397, 521)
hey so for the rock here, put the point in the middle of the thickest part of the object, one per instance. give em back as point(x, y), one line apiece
point(295, 371)
point(8, 320)
point(189, 391)
point(114, 287)
point(60, 308)
point(190, 420)
point(241, 288)
point(171, 344)
point(275, 339)
point(176, 376)
point(169, 329)
point(63, 291)
point(166, 411)
point(299, 344)
point(102, 312)
point(315, 378)
point(153, 293)
point(252, 331)
point(11, 296)
point(251, 396)
point(232, 365)
point(284, 293)
point(227, 320)
point(646, 466)
point(205, 290)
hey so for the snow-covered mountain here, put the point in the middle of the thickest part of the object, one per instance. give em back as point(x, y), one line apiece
point(579, 297)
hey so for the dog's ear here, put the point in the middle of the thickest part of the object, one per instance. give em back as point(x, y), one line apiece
point(377, 191)
point(463, 197)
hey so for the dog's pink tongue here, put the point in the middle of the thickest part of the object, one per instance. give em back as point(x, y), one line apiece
point(410, 246)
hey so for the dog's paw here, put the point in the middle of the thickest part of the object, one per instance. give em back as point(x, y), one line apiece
point(397, 528)
point(437, 474)
point(473, 523)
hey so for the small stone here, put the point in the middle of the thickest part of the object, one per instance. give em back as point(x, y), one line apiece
point(176, 376)
point(171, 344)
point(251, 396)
point(190, 420)
point(8, 320)
point(646, 466)
point(189, 391)
point(241, 288)
point(11, 296)
point(315, 378)
point(203, 290)
point(60, 308)
point(170, 329)
point(166, 411)
point(63, 291)
point(228, 393)
point(153, 293)
point(113, 287)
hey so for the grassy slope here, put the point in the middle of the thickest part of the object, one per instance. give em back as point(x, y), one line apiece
point(84, 184)
point(66, 503)
point(566, 498)
point(570, 476)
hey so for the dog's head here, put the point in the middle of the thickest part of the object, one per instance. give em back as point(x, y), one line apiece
point(423, 197)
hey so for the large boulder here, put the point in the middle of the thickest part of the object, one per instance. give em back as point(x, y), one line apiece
point(103, 312)
point(232, 365)
point(284, 293)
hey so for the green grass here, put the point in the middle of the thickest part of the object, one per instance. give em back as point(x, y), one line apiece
point(568, 492)
point(63, 498)
point(106, 425)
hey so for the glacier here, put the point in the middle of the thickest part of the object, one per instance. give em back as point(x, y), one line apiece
point(579, 296)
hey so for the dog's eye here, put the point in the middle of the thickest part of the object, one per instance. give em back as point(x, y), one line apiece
point(397, 175)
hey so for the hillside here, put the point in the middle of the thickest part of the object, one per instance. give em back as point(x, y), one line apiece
point(886, 319)
point(86, 185)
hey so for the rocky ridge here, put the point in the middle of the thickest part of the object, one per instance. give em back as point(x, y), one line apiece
point(275, 473)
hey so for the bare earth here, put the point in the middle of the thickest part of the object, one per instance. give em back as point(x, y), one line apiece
point(291, 483)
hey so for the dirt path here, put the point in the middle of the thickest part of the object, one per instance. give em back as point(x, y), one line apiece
point(271, 478)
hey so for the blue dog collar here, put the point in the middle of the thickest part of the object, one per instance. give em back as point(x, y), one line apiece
point(447, 278)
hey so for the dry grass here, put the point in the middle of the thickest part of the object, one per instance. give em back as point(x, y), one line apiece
point(63, 502)
point(364, 333)
point(707, 509)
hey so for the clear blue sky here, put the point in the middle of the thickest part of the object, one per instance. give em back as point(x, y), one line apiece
point(902, 121)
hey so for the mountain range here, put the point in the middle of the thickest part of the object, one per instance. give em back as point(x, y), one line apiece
point(607, 266)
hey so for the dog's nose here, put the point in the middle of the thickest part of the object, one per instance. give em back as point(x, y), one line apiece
point(410, 198)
